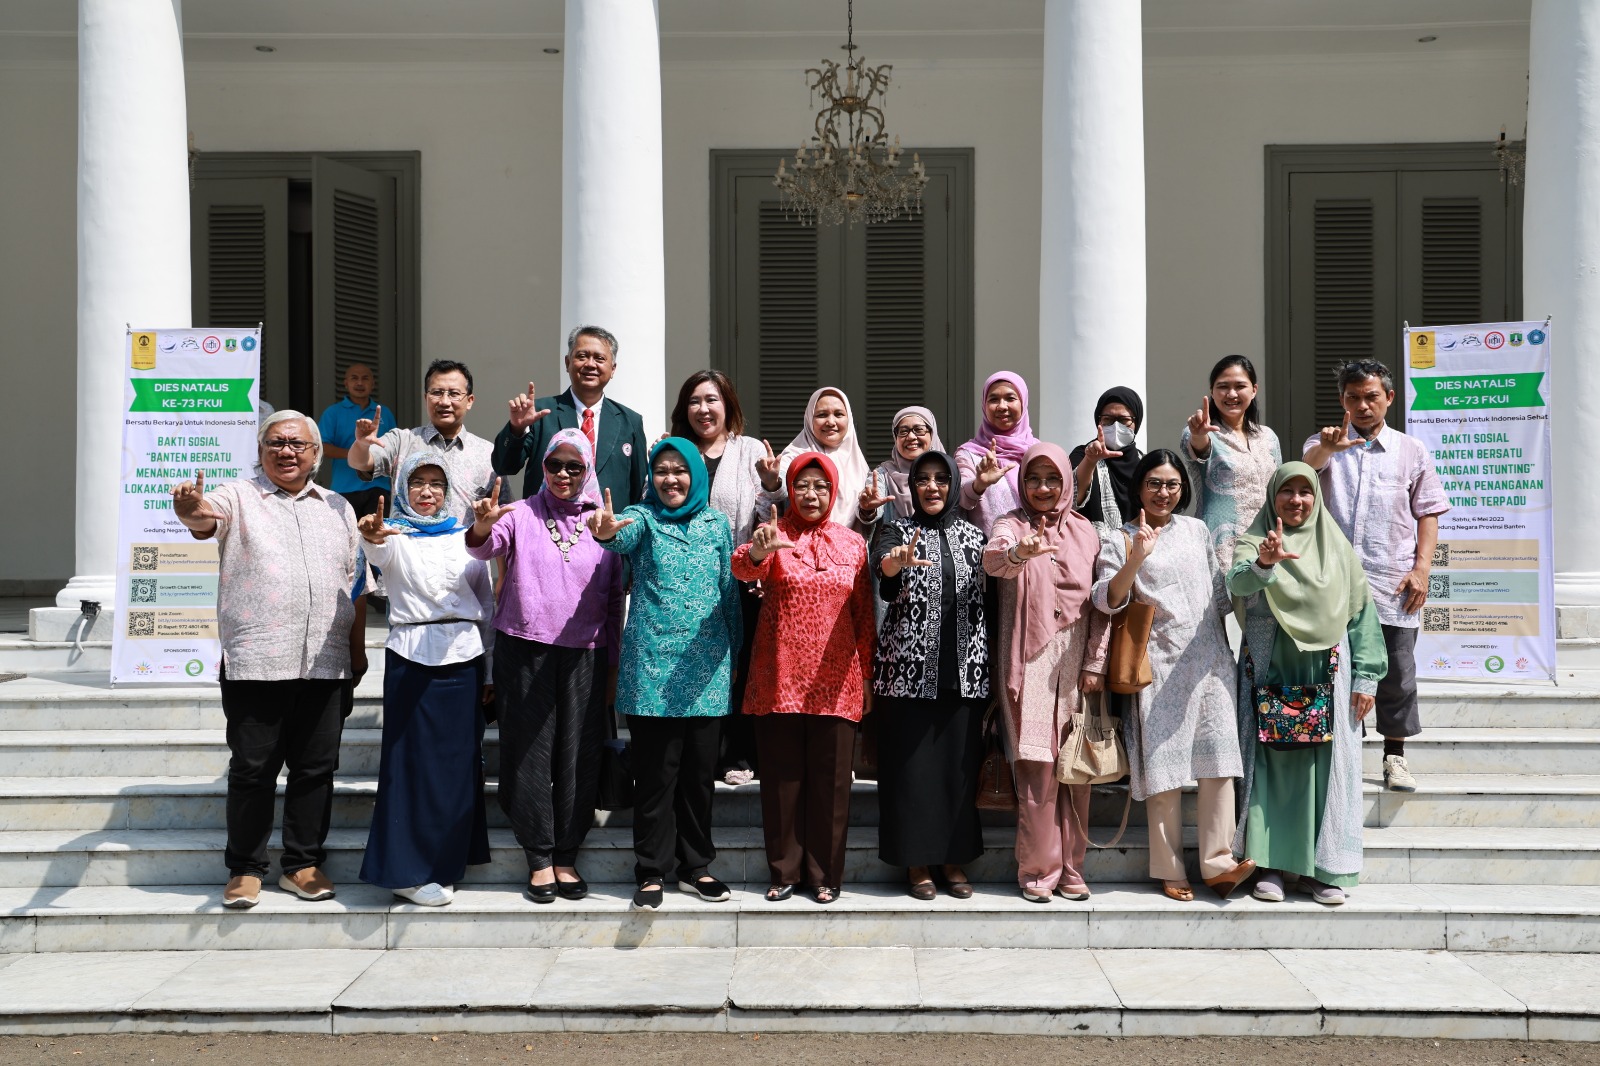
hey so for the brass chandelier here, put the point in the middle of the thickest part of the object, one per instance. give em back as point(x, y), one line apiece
point(850, 172)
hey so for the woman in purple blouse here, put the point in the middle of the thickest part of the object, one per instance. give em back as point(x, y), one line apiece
point(558, 632)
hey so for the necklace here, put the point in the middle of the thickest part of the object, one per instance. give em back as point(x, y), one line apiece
point(564, 545)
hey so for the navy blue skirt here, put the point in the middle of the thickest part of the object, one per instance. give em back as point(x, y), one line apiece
point(429, 823)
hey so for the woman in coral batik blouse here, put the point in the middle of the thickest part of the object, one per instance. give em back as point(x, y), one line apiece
point(809, 675)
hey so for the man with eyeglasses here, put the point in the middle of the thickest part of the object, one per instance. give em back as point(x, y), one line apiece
point(291, 615)
point(621, 453)
point(465, 456)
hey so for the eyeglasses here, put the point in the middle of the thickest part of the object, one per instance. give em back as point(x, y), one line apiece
point(902, 432)
point(1042, 482)
point(1111, 420)
point(430, 486)
point(556, 466)
point(922, 481)
point(295, 446)
point(1154, 485)
point(447, 394)
point(812, 488)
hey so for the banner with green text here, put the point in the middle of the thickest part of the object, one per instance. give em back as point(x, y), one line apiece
point(1479, 397)
point(189, 405)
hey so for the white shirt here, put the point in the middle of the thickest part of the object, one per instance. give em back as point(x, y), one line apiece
point(441, 601)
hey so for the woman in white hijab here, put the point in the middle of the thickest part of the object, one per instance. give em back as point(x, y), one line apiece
point(830, 428)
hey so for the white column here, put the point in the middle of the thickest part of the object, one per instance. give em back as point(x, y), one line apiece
point(1092, 250)
point(133, 242)
point(1561, 250)
point(613, 263)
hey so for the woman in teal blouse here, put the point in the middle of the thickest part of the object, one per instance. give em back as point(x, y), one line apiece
point(678, 649)
point(1302, 596)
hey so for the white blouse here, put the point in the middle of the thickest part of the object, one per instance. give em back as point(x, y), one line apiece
point(441, 600)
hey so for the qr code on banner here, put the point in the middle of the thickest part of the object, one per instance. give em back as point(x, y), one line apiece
point(141, 623)
point(1436, 619)
point(1438, 586)
point(142, 590)
point(1441, 555)
point(145, 557)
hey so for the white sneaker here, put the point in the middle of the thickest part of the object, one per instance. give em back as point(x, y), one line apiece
point(1396, 778)
point(428, 895)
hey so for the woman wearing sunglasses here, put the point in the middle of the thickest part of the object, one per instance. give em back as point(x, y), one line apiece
point(558, 635)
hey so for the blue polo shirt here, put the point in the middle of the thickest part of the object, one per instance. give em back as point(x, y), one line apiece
point(338, 427)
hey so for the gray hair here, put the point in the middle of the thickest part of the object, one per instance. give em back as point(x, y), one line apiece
point(290, 415)
point(592, 331)
point(1359, 370)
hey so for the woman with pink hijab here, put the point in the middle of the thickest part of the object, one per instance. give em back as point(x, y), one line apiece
point(1052, 649)
point(989, 462)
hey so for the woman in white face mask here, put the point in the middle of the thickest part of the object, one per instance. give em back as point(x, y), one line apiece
point(1103, 468)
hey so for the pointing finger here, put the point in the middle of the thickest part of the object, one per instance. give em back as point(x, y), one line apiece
point(531, 392)
point(377, 417)
point(1280, 527)
point(608, 501)
point(768, 446)
point(916, 535)
point(200, 481)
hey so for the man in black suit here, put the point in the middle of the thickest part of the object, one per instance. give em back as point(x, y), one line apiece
point(621, 452)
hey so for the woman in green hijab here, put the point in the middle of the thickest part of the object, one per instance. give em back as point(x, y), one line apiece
point(1312, 657)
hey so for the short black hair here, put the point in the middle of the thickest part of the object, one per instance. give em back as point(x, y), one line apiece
point(1354, 373)
point(446, 366)
point(1163, 457)
point(1252, 414)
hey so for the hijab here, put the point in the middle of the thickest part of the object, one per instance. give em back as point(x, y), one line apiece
point(404, 517)
point(897, 471)
point(1010, 444)
point(846, 460)
point(568, 514)
point(699, 482)
point(952, 500)
point(1119, 467)
point(1050, 593)
point(1313, 598)
point(817, 543)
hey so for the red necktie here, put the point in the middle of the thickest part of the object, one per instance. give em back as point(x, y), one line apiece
point(588, 424)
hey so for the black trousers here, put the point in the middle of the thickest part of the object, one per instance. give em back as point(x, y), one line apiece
point(270, 724)
point(738, 736)
point(673, 760)
point(1397, 713)
point(365, 501)
point(552, 704)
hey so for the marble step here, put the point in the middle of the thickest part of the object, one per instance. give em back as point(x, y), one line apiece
point(759, 990)
point(1501, 918)
point(1396, 855)
point(90, 803)
point(1507, 750)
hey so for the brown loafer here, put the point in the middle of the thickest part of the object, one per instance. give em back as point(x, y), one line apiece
point(1224, 884)
point(309, 884)
point(923, 890)
point(242, 893)
point(960, 889)
point(1181, 893)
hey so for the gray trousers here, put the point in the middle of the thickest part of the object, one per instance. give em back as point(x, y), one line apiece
point(1397, 715)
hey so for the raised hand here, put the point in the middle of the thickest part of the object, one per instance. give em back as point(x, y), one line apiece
point(1036, 543)
point(1271, 552)
point(767, 539)
point(373, 531)
point(1201, 428)
point(903, 556)
point(367, 428)
point(1144, 541)
point(991, 469)
point(190, 504)
point(604, 523)
point(525, 409)
point(485, 513)
point(1338, 438)
point(870, 500)
point(767, 470)
point(1097, 449)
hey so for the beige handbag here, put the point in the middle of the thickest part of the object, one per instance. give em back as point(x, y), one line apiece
point(1092, 754)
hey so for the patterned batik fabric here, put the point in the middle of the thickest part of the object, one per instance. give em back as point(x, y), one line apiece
point(907, 659)
point(1231, 483)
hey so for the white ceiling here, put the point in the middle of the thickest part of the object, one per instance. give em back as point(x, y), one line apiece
point(901, 31)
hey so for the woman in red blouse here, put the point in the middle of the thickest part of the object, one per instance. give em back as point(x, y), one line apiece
point(810, 677)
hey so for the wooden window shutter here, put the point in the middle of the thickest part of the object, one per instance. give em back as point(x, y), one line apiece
point(1453, 247)
point(787, 334)
point(239, 245)
point(353, 279)
point(896, 325)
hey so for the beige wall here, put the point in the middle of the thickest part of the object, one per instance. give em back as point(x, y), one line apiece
point(491, 207)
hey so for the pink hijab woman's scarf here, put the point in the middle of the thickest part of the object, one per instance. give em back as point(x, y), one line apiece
point(1010, 445)
point(568, 514)
point(1051, 592)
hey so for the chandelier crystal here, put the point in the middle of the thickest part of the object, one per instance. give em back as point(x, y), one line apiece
point(850, 172)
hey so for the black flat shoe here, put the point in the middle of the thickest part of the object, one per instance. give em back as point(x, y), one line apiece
point(824, 894)
point(572, 889)
point(541, 893)
point(779, 893)
point(707, 888)
point(648, 896)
